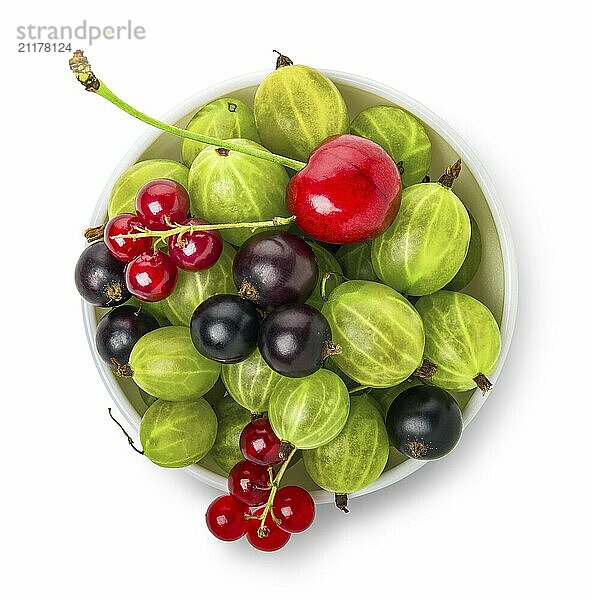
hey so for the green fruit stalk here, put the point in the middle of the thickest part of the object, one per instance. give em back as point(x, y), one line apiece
point(309, 411)
point(463, 341)
point(327, 263)
point(232, 419)
point(231, 187)
point(296, 108)
point(356, 457)
point(379, 331)
point(126, 188)
point(401, 135)
point(178, 434)
point(356, 261)
point(193, 287)
point(427, 243)
point(225, 118)
point(165, 364)
point(470, 265)
point(251, 382)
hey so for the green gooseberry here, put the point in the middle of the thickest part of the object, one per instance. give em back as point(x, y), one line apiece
point(308, 412)
point(379, 331)
point(232, 419)
point(217, 391)
point(165, 364)
point(193, 287)
point(296, 108)
point(251, 382)
point(127, 186)
point(327, 263)
point(463, 340)
point(331, 366)
point(356, 457)
point(231, 187)
point(223, 118)
point(356, 261)
point(426, 244)
point(470, 265)
point(178, 434)
point(147, 398)
point(402, 136)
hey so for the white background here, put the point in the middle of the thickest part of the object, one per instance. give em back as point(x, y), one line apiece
point(507, 515)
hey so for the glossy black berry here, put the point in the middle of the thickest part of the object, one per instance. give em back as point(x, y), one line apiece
point(100, 277)
point(295, 340)
point(424, 422)
point(272, 269)
point(225, 328)
point(119, 330)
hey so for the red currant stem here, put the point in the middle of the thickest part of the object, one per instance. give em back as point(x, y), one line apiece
point(275, 483)
point(181, 229)
point(81, 69)
point(129, 439)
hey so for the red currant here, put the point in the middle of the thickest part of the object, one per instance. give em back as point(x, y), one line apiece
point(225, 518)
point(249, 483)
point(195, 251)
point(275, 539)
point(260, 444)
point(295, 508)
point(125, 248)
point(151, 276)
point(159, 199)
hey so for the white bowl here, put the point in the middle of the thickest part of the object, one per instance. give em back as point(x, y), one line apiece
point(495, 284)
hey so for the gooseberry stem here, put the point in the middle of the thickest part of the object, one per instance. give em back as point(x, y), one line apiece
point(81, 68)
point(129, 439)
point(275, 484)
point(360, 388)
point(324, 281)
point(179, 230)
point(450, 175)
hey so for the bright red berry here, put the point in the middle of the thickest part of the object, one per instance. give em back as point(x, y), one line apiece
point(274, 538)
point(160, 199)
point(151, 276)
point(249, 483)
point(195, 251)
point(349, 191)
point(260, 444)
point(125, 248)
point(295, 508)
point(225, 518)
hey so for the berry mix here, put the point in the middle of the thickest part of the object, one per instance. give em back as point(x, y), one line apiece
point(290, 291)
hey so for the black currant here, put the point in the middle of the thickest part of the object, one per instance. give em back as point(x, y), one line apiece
point(225, 328)
point(119, 330)
point(100, 277)
point(295, 340)
point(272, 269)
point(424, 422)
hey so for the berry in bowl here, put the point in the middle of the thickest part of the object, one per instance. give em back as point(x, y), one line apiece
point(300, 292)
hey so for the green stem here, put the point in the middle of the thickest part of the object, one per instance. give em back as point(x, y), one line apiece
point(359, 389)
point(81, 68)
point(274, 488)
point(179, 230)
point(106, 93)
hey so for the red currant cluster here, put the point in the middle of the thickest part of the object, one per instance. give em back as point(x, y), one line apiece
point(151, 274)
point(256, 506)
